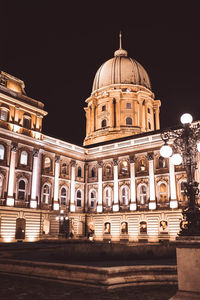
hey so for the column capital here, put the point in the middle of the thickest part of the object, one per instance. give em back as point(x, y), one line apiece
point(57, 159)
point(14, 147)
point(35, 152)
point(115, 162)
point(100, 164)
point(132, 159)
point(72, 163)
point(150, 156)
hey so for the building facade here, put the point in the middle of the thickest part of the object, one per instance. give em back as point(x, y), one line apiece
point(116, 187)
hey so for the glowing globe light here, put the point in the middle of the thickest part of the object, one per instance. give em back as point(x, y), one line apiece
point(176, 159)
point(198, 146)
point(166, 151)
point(186, 119)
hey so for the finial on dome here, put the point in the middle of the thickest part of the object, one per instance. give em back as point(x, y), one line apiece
point(120, 51)
point(120, 40)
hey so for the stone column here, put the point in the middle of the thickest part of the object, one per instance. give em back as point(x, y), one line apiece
point(35, 174)
point(152, 203)
point(92, 117)
point(157, 118)
point(72, 194)
point(133, 205)
point(111, 114)
point(56, 183)
point(117, 112)
point(100, 200)
point(10, 197)
point(173, 197)
point(116, 194)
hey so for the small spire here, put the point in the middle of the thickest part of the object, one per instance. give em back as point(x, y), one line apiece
point(120, 51)
point(120, 40)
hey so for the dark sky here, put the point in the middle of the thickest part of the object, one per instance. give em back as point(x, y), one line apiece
point(56, 47)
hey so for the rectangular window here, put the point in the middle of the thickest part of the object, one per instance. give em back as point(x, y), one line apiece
point(128, 105)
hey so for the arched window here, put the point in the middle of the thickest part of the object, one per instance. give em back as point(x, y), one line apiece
point(161, 162)
point(63, 196)
point(142, 194)
point(149, 125)
point(162, 192)
point(64, 169)
point(92, 198)
point(124, 167)
point(124, 228)
point(124, 195)
point(24, 158)
point(27, 122)
point(149, 111)
point(2, 152)
point(21, 189)
point(143, 227)
point(93, 172)
point(107, 228)
point(4, 114)
point(103, 107)
point(47, 164)
point(103, 123)
point(128, 121)
point(108, 196)
point(79, 198)
point(142, 165)
point(46, 194)
point(183, 196)
point(1, 186)
point(108, 170)
point(79, 172)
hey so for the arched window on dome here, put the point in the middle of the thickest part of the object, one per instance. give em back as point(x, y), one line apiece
point(149, 125)
point(79, 172)
point(103, 123)
point(103, 108)
point(93, 172)
point(129, 121)
point(26, 121)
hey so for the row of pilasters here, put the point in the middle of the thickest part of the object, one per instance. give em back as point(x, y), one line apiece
point(152, 197)
point(35, 180)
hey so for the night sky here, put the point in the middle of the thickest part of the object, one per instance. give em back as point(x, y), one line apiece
point(56, 47)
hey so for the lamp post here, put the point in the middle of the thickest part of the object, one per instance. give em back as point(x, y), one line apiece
point(184, 149)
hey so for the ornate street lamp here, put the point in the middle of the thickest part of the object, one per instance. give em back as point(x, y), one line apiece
point(184, 149)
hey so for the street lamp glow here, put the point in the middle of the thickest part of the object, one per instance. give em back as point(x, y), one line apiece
point(186, 119)
point(166, 151)
point(176, 159)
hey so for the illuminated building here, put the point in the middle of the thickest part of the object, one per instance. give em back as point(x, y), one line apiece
point(116, 187)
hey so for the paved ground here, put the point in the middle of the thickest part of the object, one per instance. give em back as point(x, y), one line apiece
point(14, 287)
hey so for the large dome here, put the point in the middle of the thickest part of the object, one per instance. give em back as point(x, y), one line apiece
point(121, 69)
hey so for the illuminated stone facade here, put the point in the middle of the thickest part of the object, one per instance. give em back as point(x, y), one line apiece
point(118, 187)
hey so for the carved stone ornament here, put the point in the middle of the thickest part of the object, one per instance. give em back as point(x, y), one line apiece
point(115, 162)
point(35, 152)
point(57, 159)
point(150, 156)
point(72, 163)
point(100, 164)
point(165, 179)
point(14, 147)
point(132, 159)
